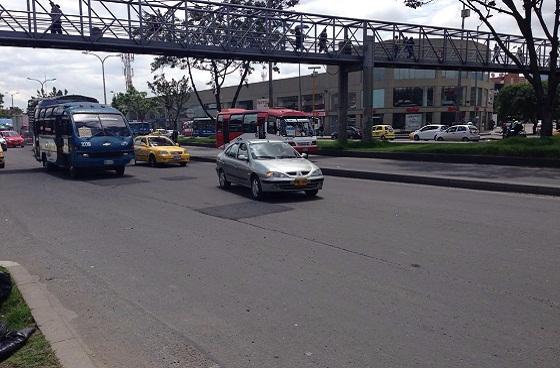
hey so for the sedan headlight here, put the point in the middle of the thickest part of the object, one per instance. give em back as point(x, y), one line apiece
point(276, 174)
point(316, 172)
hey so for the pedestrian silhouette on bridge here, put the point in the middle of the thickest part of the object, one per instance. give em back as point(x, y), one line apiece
point(323, 40)
point(409, 46)
point(299, 39)
point(396, 47)
point(496, 58)
point(520, 54)
point(56, 19)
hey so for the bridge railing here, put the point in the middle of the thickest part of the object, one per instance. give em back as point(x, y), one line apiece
point(253, 32)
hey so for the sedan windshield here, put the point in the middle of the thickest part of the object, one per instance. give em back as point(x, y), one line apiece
point(160, 141)
point(92, 125)
point(272, 150)
point(9, 134)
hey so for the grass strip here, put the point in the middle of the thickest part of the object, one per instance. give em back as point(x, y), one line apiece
point(37, 352)
point(203, 140)
point(516, 147)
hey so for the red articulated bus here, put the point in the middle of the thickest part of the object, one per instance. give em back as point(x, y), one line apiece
point(294, 127)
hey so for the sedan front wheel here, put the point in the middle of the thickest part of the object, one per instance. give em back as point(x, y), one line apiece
point(256, 189)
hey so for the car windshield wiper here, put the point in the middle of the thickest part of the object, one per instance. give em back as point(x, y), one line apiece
point(265, 157)
point(281, 157)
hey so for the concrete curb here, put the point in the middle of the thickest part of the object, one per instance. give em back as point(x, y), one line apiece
point(445, 182)
point(431, 180)
point(49, 316)
point(448, 158)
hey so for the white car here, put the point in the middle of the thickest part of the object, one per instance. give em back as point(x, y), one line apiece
point(428, 132)
point(463, 133)
point(3, 144)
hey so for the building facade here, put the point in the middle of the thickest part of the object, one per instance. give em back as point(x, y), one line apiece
point(403, 98)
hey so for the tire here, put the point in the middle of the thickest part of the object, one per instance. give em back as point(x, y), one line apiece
point(382, 137)
point(465, 139)
point(439, 139)
point(334, 137)
point(222, 180)
point(152, 161)
point(416, 137)
point(256, 189)
point(74, 172)
point(120, 170)
point(183, 164)
point(311, 193)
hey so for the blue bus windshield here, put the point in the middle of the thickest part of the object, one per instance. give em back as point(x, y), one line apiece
point(93, 125)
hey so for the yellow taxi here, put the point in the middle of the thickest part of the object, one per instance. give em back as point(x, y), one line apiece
point(2, 162)
point(157, 149)
point(382, 132)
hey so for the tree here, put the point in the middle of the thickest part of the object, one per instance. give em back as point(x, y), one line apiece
point(53, 93)
point(172, 95)
point(133, 102)
point(519, 101)
point(214, 27)
point(530, 17)
point(1, 100)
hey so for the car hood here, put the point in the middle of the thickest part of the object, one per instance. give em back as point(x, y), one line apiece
point(169, 149)
point(286, 165)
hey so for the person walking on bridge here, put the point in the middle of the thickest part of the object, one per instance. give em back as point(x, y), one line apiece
point(56, 19)
point(323, 40)
point(496, 58)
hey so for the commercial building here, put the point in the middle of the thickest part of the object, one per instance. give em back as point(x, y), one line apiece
point(403, 98)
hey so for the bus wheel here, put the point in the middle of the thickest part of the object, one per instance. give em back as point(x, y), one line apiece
point(74, 172)
point(152, 161)
point(120, 170)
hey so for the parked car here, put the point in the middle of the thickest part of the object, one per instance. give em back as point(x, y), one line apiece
point(13, 139)
point(351, 133)
point(267, 166)
point(428, 132)
point(459, 133)
point(2, 162)
point(3, 143)
point(382, 132)
point(157, 149)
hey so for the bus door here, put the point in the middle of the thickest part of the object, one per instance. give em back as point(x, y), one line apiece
point(261, 125)
point(59, 139)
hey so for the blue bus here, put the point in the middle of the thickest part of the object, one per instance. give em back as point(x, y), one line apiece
point(203, 127)
point(140, 128)
point(76, 133)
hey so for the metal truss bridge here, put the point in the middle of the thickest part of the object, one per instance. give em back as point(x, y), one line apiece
point(226, 31)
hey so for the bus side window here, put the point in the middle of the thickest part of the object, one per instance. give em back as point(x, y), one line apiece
point(271, 127)
point(235, 123)
point(250, 123)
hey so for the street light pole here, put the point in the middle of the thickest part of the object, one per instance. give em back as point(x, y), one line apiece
point(102, 60)
point(12, 94)
point(313, 75)
point(465, 13)
point(42, 83)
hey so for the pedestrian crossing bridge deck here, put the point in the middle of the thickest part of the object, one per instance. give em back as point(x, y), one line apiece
point(226, 31)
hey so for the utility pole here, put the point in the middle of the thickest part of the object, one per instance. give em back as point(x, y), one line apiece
point(12, 95)
point(270, 89)
point(299, 84)
point(465, 13)
point(42, 83)
point(102, 70)
point(313, 75)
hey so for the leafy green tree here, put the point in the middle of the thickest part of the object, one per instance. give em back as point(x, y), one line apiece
point(532, 17)
point(54, 92)
point(172, 95)
point(1, 100)
point(133, 102)
point(520, 101)
point(213, 28)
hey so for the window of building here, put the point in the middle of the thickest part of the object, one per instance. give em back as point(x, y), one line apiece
point(290, 102)
point(407, 96)
point(308, 103)
point(398, 120)
point(473, 96)
point(247, 105)
point(400, 74)
point(449, 96)
point(447, 118)
point(378, 74)
point(430, 96)
point(429, 118)
point(450, 74)
point(378, 98)
point(481, 96)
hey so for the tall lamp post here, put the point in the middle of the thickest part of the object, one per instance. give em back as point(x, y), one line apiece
point(313, 75)
point(465, 13)
point(102, 60)
point(42, 83)
point(12, 95)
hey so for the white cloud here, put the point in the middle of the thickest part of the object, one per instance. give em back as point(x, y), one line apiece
point(82, 74)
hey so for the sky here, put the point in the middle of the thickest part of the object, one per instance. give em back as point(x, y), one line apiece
point(81, 74)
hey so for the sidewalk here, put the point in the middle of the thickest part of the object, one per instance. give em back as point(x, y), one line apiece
point(471, 176)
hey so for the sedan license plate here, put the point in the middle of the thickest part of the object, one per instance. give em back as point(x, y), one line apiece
point(176, 157)
point(300, 182)
point(109, 162)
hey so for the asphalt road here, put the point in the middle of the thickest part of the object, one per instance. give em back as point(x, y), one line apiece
point(163, 269)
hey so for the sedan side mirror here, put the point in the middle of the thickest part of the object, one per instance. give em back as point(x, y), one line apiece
point(305, 155)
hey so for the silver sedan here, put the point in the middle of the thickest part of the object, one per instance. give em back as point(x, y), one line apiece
point(267, 166)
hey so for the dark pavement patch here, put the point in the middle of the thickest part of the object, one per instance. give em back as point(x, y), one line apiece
point(178, 178)
point(243, 210)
